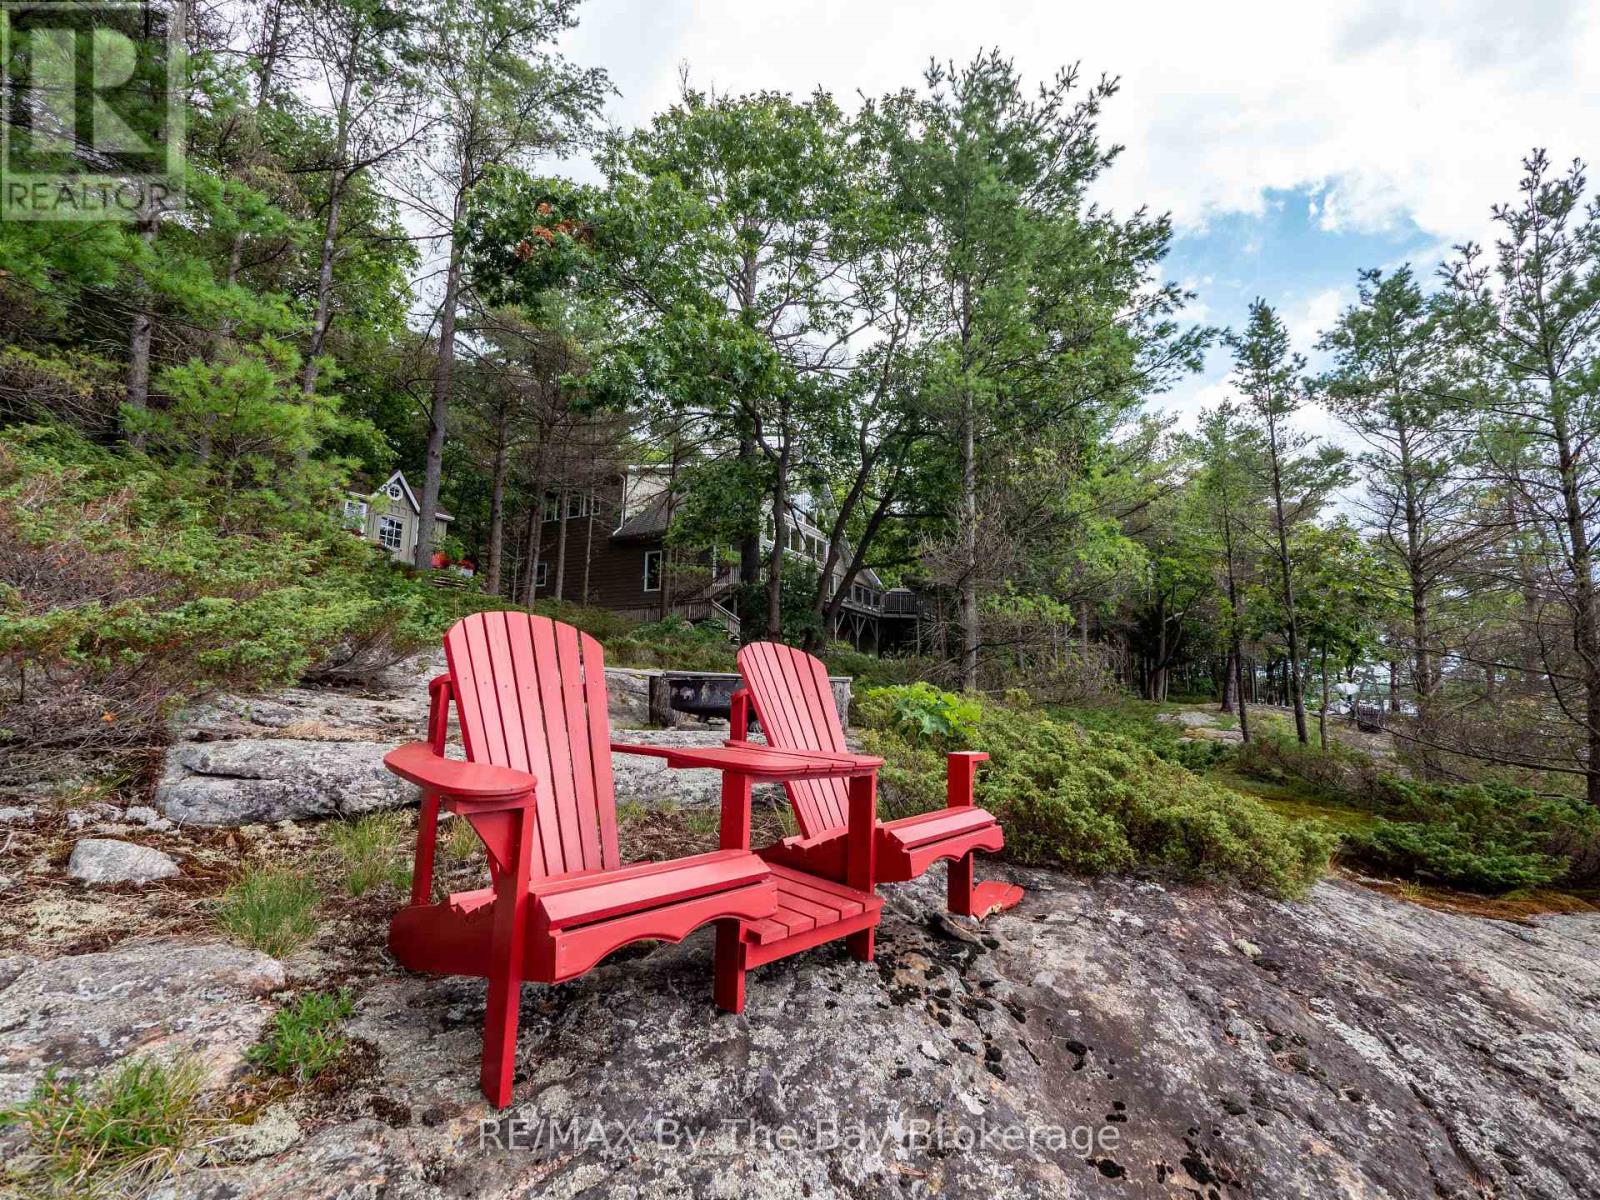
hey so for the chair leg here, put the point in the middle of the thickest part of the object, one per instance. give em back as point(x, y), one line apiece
point(861, 854)
point(860, 945)
point(958, 888)
point(505, 965)
point(427, 834)
point(977, 900)
point(728, 988)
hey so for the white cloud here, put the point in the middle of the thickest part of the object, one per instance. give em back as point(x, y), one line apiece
point(1308, 316)
point(1414, 109)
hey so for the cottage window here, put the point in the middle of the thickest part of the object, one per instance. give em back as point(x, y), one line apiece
point(355, 514)
point(391, 533)
point(541, 575)
point(652, 570)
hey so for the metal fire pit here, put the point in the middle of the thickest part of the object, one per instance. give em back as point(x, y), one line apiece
point(708, 694)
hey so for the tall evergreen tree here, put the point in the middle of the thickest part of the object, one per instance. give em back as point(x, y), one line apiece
point(1533, 306)
point(1298, 474)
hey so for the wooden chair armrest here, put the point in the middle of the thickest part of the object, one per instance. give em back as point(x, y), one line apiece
point(417, 763)
point(960, 769)
point(758, 762)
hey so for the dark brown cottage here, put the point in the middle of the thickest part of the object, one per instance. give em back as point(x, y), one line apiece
point(610, 550)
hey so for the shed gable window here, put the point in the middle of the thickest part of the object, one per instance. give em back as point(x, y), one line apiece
point(391, 533)
point(652, 570)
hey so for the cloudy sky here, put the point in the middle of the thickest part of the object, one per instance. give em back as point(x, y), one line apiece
point(1293, 143)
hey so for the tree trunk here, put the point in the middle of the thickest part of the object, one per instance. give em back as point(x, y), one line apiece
point(968, 594)
point(1296, 690)
point(559, 591)
point(828, 619)
point(780, 508)
point(1585, 617)
point(497, 515)
point(535, 546)
point(140, 330)
point(588, 551)
point(139, 366)
point(338, 180)
point(439, 414)
point(749, 549)
point(1322, 717)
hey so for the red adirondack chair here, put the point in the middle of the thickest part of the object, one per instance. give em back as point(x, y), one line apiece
point(531, 698)
point(795, 705)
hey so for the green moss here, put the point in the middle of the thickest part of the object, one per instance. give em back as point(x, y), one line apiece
point(1295, 799)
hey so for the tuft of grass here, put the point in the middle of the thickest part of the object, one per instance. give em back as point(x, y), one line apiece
point(372, 851)
point(631, 810)
point(702, 822)
point(458, 841)
point(270, 909)
point(301, 1043)
point(116, 1138)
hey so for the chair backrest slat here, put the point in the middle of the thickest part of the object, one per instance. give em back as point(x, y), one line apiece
point(594, 684)
point(794, 703)
point(531, 695)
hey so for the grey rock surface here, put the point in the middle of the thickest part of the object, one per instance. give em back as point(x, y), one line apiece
point(85, 1012)
point(312, 753)
point(1102, 1040)
point(253, 780)
point(106, 860)
point(143, 814)
point(628, 696)
point(644, 780)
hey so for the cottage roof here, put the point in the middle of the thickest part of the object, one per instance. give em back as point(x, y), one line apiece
point(406, 494)
point(649, 522)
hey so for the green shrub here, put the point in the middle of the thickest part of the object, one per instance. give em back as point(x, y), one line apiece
point(1482, 837)
point(920, 710)
point(873, 670)
point(599, 623)
point(673, 643)
point(1093, 801)
point(301, 1042)
point(111, 1139)
point(1196, 754)
point(1136, 719)
point(1341, 773)
point(372, 851)
point(125, 589)
point(270, 909)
